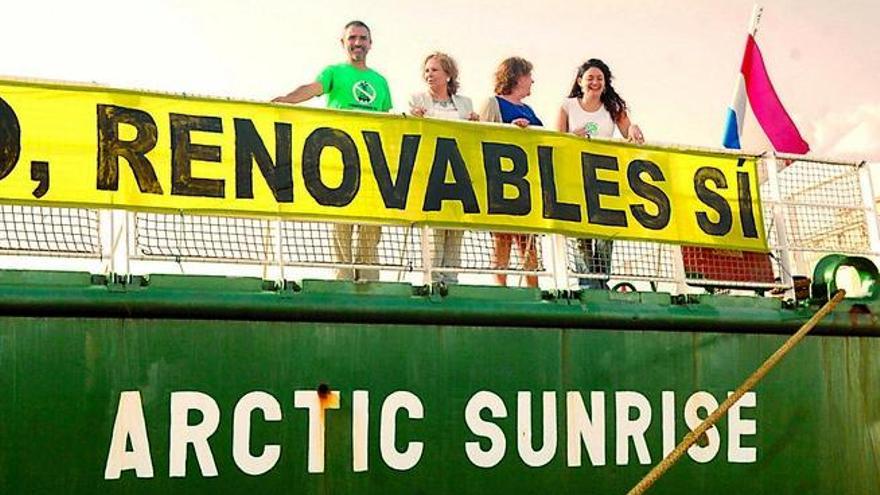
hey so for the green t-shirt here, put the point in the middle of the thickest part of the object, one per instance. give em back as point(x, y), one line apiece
point(350, 88)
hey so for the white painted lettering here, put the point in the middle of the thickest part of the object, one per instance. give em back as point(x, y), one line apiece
point(360, 417)
point(485, 415)
point(668, 400)
point(182, 433)
point(540, 457)
point(407, 459)
point(311, 400)
point(497, 444)
point(632, 428)
point(581, 428)
point(129, 425)
point(707, 402)
point(738, 427)
point(241, 433)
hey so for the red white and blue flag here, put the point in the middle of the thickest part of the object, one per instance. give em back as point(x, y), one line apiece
point(755, 82)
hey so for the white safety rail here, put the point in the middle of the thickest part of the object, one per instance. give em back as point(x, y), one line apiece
point(817, 207)
point(65, 239)
point(810, 208)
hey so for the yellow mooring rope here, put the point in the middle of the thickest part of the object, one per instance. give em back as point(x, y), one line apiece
point(747, 385)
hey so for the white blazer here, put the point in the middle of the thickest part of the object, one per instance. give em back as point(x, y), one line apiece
point(463, 104)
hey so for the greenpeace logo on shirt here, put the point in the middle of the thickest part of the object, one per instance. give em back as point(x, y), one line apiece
point(363, 92)
point(591, 128)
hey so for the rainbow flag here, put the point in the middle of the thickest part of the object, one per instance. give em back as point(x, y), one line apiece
point(768, 110)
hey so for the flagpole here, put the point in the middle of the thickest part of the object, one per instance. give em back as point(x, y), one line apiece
point(754, 86)
point(757, 10)
point(737, 108)
point(739, 92)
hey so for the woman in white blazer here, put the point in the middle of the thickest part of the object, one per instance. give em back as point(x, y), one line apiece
point(442, 101)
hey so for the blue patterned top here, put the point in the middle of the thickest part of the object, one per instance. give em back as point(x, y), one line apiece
point(511, 111)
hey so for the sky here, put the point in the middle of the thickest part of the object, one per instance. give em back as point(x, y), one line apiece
point(674, 61)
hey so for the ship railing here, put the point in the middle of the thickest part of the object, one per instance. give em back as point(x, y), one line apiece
point(811, 207)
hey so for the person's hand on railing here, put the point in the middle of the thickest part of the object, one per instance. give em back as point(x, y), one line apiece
point(635, 135)
point(520, 122)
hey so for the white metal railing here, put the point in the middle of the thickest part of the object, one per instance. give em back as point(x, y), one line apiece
point(811, 208)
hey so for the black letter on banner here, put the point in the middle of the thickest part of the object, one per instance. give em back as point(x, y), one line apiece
point(439, 190)
point(183, 152)
point(552, 207)
point(110, 148)
point(394, 191)
point(10, 139)
point(496, 178)
point(746, 214)
point(40, 175)
point(593, 188)
point(351, 167)
point(249, 148)
point(713, 200)
point(650, 192)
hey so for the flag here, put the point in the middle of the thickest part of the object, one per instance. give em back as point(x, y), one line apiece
point(777, 125)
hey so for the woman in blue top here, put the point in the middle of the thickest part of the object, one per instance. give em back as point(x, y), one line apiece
point(513, 83)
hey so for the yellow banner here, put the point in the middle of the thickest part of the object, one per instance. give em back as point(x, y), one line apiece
point(66, 145)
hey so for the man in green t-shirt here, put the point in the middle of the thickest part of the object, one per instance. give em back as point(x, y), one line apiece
point(351, 86)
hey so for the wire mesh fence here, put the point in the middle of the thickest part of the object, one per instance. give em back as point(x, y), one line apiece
point(180, 237)
point(321, 243)
point(824, 228)
point(821, 208)
point(193, 237)
point(817, 205)
point(482, 250)
point(809, 209)
point(595, 261)
point(819, 183)
point(39, 230)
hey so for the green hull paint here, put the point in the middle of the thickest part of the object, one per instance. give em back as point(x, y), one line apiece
point(69, 348)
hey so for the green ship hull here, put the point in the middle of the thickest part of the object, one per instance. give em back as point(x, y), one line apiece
point(214, 385)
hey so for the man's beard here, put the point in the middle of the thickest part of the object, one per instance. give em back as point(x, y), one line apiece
point(357, 55)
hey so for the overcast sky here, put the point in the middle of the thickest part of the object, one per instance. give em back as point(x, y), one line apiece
point(675, 61)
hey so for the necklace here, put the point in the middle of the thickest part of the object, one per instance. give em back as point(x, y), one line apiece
point(584, 106)
point(445, 104)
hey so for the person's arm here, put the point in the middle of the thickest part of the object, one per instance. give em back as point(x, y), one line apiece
point(490, 112)
point(562, 120)
point(629, 130)
point(467, 108)
point(302, 93)
point(417, 105)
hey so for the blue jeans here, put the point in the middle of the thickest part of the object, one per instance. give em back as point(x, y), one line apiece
point(594, 257)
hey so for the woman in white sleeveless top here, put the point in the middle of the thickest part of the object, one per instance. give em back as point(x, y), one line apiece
point(593, 109)
point(442, 101)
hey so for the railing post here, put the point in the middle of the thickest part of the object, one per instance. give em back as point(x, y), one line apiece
point(871, 220)
point(559, 265)
point(279, 250)
point(130, 241)
point(120, 243)
point(784, 246)
point(105, 237)
point(678, 272)
point(427, 254)
point(115, 243)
